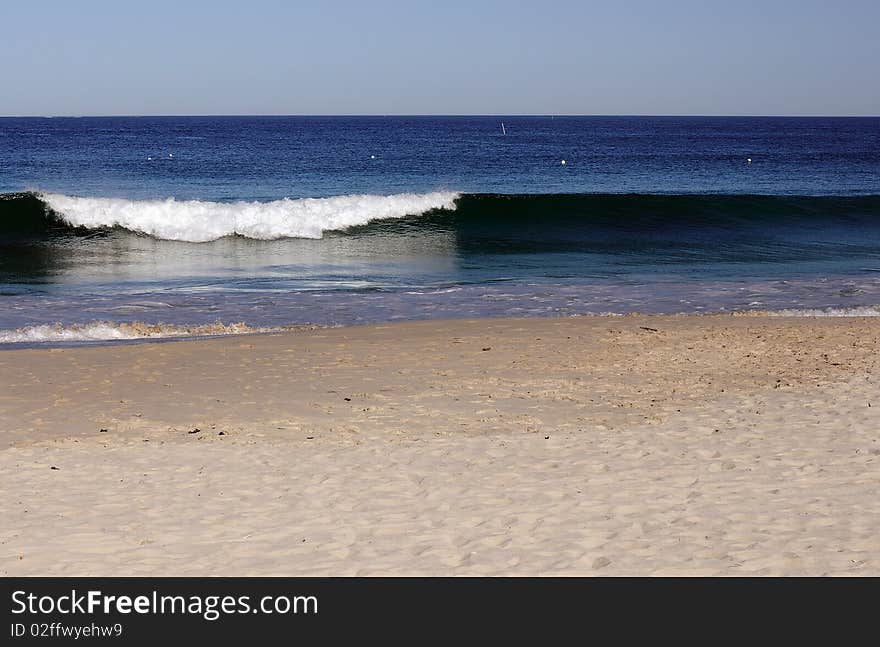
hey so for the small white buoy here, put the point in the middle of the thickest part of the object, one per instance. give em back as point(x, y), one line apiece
point(372, 157)
point(149, 159)
point(563, 162)
point(170, 154)
point(749, 160)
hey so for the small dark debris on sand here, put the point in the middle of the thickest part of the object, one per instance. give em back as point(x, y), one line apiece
point(649, 329)
point(194, 431)
point(53, 468)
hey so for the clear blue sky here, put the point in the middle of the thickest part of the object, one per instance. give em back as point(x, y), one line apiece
point(97, 57)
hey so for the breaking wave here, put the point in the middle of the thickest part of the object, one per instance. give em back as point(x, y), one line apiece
point(201, 221)
point(534, 220)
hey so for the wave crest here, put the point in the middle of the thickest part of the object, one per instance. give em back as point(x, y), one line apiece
point(199, 221)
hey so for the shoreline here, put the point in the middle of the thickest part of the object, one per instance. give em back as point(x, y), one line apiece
point(327, 340)
point(624, 445)
point(143, 332)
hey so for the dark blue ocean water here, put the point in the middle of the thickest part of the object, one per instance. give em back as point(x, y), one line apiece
point(265, 158)
point(332, 220)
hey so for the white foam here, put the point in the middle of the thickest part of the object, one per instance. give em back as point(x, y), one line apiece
point(198, 221)
point(859, 311)
point(107, 331)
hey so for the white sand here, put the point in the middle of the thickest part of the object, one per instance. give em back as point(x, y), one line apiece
point(716, 446)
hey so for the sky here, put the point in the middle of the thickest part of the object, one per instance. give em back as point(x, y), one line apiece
point(631, 57)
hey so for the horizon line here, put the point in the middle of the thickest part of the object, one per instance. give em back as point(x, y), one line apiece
point(444, 115)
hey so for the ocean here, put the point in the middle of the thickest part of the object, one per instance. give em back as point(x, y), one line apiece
point(131, 227)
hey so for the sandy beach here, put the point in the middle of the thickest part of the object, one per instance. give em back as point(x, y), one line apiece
point(631, 445)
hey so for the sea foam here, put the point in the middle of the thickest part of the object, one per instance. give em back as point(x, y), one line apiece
point(199, 221)
point(111, 331)
point(854, 311)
